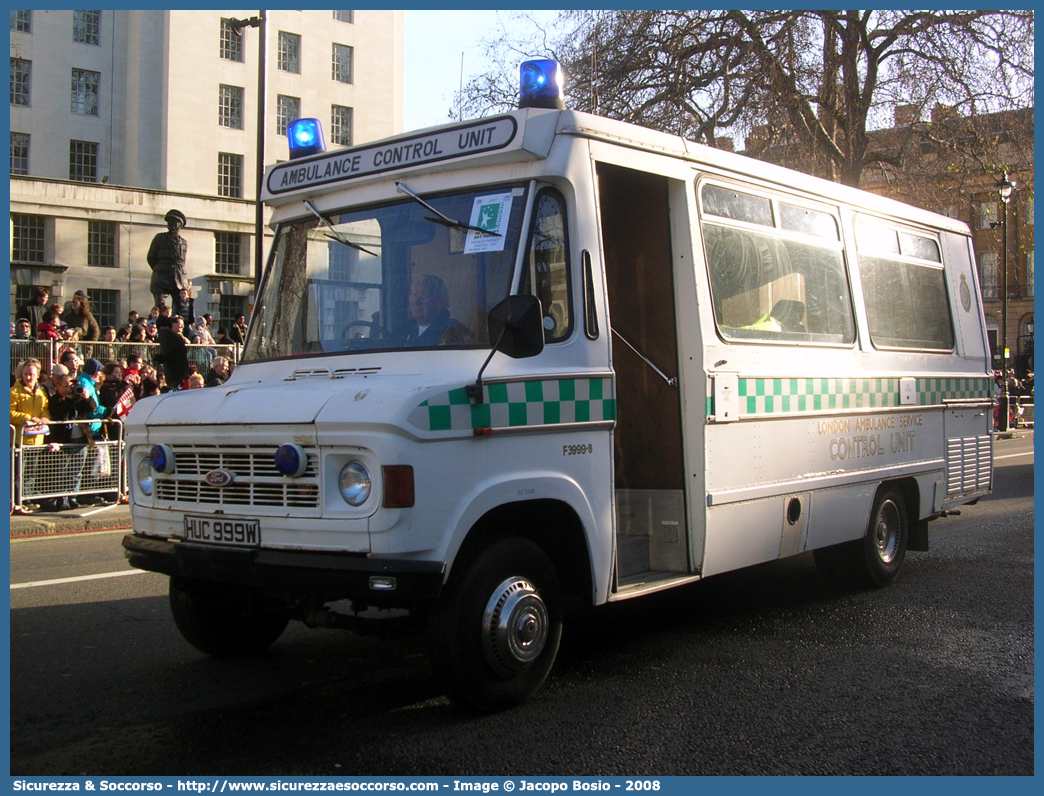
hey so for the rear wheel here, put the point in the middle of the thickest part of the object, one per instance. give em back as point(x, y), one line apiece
point(220, 620)
point(884, 545)
point(876, 559)
point(495, 635)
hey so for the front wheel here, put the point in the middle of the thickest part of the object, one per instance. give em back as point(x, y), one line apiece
point(221, 620)
point(495, 635)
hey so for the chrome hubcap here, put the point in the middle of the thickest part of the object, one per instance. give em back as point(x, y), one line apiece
point(514, 626)
point(886, 533)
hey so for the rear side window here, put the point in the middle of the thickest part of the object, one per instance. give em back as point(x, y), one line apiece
point(904, 287)
point(777, 269)
point(547, 264)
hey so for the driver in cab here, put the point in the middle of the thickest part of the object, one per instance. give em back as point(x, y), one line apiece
point(429, 309)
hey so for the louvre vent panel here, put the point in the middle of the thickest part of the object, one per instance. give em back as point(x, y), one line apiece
point(256, 483)
point(969, 465)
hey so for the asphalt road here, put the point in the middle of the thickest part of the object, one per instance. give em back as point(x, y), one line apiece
point(765, 671)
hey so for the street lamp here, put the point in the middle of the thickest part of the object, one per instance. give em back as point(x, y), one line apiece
point(238, 25)
point(1004, 191)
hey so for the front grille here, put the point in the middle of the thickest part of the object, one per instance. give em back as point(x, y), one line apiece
point(257, 482)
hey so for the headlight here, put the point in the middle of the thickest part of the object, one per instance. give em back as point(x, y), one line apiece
point(291, 460)
point(162, 458)
point(355, 483)
point(145, 477)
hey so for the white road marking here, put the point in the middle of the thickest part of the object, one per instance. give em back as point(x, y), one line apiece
point(1012, 455)
point(56, 581)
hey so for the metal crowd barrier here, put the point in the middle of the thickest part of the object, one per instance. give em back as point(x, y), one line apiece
point(42, 350)
point(50, 351)
point(1026, 418)
point(68, 470)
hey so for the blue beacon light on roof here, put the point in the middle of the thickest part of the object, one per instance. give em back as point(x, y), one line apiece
point(540, 85)
point(305, 137)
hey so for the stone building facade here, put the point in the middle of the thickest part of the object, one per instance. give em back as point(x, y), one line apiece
point(119, 116)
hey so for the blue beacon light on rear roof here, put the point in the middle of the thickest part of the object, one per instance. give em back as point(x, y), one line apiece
point(540, 85)
point(305, 137)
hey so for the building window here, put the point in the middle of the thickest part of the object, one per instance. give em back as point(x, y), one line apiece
point(342, 260)
point(24, 294)
point(22, 21)
point(988, 275)
point(230, 107)
point(988, 214)
point(1029, 274)
point(105, 305)
point(340, 125)
point(231, 42)
point(228, 252)
point(230, 175)
point(28, 245)
point(101, 244)
point(289, 52)
point(85, 92)
point(1027, 212)
point(86, 26)
point(288, 109)
point(342, 63)
point(19, 153)
point(83, 161)
point(228, 308)
point(21, 77)
point(344, 16)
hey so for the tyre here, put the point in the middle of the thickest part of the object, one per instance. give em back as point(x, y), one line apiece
point(224, 621)
point(874, 560)
point(494, 636)
point(884, 545)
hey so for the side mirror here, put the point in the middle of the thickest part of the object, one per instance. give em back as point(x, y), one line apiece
point(516, 326)
point(517, 329)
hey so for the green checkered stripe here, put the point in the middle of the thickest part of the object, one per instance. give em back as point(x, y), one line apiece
point(758, 396)
point(518, 404)
point(935, 391)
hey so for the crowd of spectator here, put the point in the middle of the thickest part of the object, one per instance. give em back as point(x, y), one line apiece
point(40, 319)
point(1019, 391)
point(1016, 386)
point(100, 382)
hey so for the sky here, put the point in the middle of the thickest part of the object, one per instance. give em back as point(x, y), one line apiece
point(434, 43)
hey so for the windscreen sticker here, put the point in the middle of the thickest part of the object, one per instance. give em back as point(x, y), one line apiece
point(490, 213)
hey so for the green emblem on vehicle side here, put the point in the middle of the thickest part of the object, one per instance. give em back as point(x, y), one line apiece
point(965, 294)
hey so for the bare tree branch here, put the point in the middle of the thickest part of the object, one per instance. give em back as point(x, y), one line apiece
point(810, 84)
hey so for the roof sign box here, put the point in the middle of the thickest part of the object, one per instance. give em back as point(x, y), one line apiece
point(485, 135)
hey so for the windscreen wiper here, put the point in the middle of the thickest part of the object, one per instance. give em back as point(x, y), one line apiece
point(446, 221)
point(337, 236)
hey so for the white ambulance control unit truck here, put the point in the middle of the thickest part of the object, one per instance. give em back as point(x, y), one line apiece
point(547, 356)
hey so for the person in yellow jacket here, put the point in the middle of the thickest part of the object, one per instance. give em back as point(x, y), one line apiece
point(28, 413)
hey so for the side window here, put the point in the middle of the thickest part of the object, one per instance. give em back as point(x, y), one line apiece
point(904, 288)
point(777, 270)
point(547, 265)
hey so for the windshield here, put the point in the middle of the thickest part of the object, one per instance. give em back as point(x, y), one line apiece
point(391, 277)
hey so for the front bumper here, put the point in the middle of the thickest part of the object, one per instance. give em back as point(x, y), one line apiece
point(328, 576)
